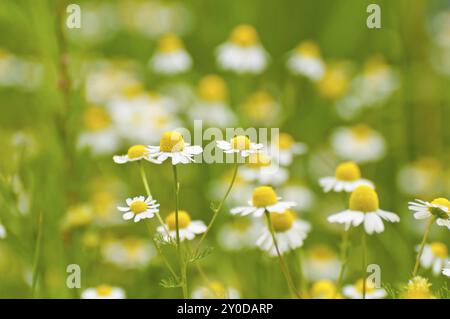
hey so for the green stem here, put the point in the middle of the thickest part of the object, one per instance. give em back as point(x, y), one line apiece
point(364, 263)
point(344, 259)
point(422, 245)
point(217, 209)
point(284, 268)
point(37, 254)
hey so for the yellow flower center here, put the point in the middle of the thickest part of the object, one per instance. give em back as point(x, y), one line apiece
point(322, 253)
point(171, 142)
point(104, 290)
point(361, 131)
point(212, 88)
point(169, 43)
point(183, 220)
point(369, 286)
point(218, 289)
point(96, 118)
point(334, 83)
point(258, 160)
point(259, 106)
point(308, 48)
point(364, 199)
point(244, 35)
point(285, 141)
point(441, 202)
point(133, 90)
point(132, 246)
point(418, 288)
point(102, 202)
point(79, 215)
point(375, 64)
point(137, 151)
point(324, 288)
point(264, 196)
point(444, 202)
point(240, 142)
point(348, 171)
point(138, 207)
point(282, 222)
point(439, 249)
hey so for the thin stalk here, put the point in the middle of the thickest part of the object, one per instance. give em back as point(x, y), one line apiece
point(284, 268)
point(364, 263)
point(37, 254)
point(344, 258)
point(422, 245)
point(217, 209)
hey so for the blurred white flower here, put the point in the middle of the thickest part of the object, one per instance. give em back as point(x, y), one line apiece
point(422, 177)
point(239, 144)
point(285, 148)
point(170, 57)
point(356, 291)
point(215, 290)
point(240, 234)
point(302, 195)
point(434, 256)
point(321, 262)
point(103, 292)
point(347, 178)
point(260, 169)
point(3, 233)
point(128, 253)
point(306, 60)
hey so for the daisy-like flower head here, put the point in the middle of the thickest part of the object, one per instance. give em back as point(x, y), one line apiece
point(446, 271)
point(364, 208)
point(261, 107)
point(172, 145)
point(287, 147)
point(347, 178)
point(321, 262)
point(356, 291)
point(259, 169)
point(215, 290)
point(324, 289)
point(418, 288)
point(139, 208)
point(263, 199)
point(242, 53)
point(135, 153)
point(434, 256)
point(128, 253)
point(212, 88)
point(289, 232)
point(335, 82)
point(240, 144)
point(187, 228)
point(103, 292)
point(439, 208)
point(171, 57)
point(306, 60)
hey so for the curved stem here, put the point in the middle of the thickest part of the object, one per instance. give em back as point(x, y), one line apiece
point(364, 263)
point(422, 245)
point(37, 254)
point(284, 268)
point(217, 209)
point(344, 258)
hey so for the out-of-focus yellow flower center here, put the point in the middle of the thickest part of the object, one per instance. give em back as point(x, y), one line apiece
point(324, 289)
point(258, 160)
point(361, 131)
point(104, 290)
point(321, 253)
point(212, 88)
point(282, 222)
point(285, 141)
point(308, 48)
point(183, 220)
point(138, 207)
point(439, 249)
point(418, 288)
point(348, 171)
point(132, 90)
point(369, 286)
point(137, 151)
point(132, 246)
point(334, 83)
point(374, 65)
point(96, 118)
point(218, 289)
point(244, 35)
point(101, 202)
point(259, 106)
point(171, 142)
point(240, 142)
point(79, 215)
point(169, 43)
point(364, 199)
point(264, 196)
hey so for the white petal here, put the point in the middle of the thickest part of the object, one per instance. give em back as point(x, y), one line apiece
point(373, 223)
point(128, 216)
point(120, 159)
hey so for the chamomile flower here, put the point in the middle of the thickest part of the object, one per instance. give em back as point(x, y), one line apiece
point(2, 232)
point(299, 193)
point(128, 253)
point(259, 169)
point(321, 262)
point(215, 290)
point(324, 289)
point(335, 81)
point(135, 153)
point(417, 288)
point(434, 256)
point(187, 228)
point(173, 145)
point(286, 148)
point(446, 271)
point(261, 108)
point(347, 178)
point(239, 144)
point(359, 143)
point(78, 215)
point(242, 53)
point(170, 57)
point(439, 208)
point(290, 233)
point(306, 60)
point(356, 291)
point(212, 107)
point(364, 209)
point(103, 292)
point(263, 199)
point(240, 234)
point(139, 208)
